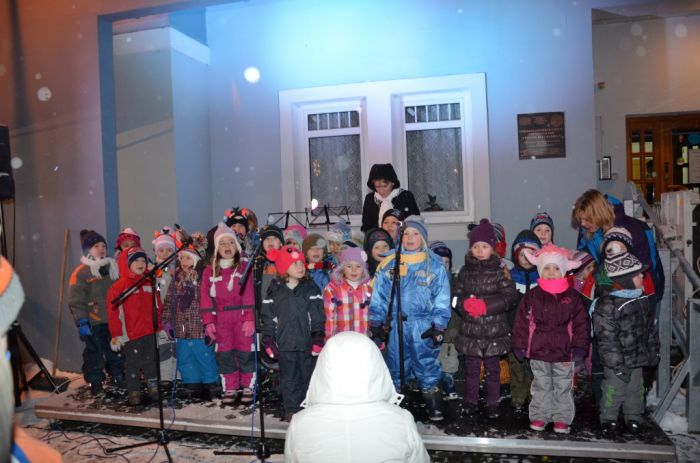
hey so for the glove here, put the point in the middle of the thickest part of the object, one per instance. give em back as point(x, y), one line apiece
point(378, 334)
point(475, 307)
point(318, 339)
point(519, 353)
point(210, 330)
point(435, 333)
point(578, 354)
point(248, 328)
point(623, 374)
point(271, 348)
point(117, 342)
point(168, 330)
point(84, 327)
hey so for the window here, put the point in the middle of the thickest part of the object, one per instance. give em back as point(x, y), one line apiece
point(432, 130)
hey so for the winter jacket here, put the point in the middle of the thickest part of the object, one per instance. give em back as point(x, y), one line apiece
point(181, 306)
point(226, 300)
point(347, 308)
point(87, 294)
point(133, 317)
point(489, 335)
point(625, 330)
point(404, 202)
point(549, 325)
point(320, 273)
point(289, 316)
point(352, 413)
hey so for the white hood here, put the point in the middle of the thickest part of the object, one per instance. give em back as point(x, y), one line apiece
point(350, 370)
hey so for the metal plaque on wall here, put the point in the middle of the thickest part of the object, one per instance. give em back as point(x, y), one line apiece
point(541, 135)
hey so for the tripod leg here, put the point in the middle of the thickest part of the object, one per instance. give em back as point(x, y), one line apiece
point(19, 381)
point(36, 358)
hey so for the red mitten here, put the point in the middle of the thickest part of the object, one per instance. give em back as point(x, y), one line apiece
point(475, 307)
point(210, 330)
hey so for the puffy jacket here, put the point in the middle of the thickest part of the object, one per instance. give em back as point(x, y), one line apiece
point(489, 335)
point(133, 317)
point(625, 330)
point(289, 316)
point(548, 325)
point(226, 300)
point(87, 294)
point(352, 413)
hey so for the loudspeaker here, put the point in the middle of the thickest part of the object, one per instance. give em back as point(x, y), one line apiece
point(7, 183)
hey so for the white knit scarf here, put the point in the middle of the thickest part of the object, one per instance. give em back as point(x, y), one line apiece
point(96, 264)
point(223, 263)
point(385, 203)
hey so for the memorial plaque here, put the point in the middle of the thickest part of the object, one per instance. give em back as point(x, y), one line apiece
point(541, 135)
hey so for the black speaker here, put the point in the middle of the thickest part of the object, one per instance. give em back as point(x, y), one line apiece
point(7, 183)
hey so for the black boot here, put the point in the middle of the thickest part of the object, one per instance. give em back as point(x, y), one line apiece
point(433, 401)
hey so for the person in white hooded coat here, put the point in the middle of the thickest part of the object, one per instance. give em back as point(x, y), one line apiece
point(351, 410)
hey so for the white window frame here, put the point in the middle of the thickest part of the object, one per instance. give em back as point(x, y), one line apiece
point(383, 139)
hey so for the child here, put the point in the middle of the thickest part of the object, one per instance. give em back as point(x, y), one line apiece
point(314, 248)
point(228, 318)
point(378, 242)
point(131, 324)
point(391, 221)
point(501, 244)
point(87, 299)
point(386, 194)
point(542, 225)
point(239, 221)
point(628, 340)
point(293, 325)
point(272, 238)
point(487, 295)
point(425, 304)
point(294, 235)
point(126, 239)
point(552, 330)
point(346, 298)
point(336, 236)
point(196, 361)
point(163, 246)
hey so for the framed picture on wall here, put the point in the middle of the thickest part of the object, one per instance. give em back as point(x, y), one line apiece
point(605, 168)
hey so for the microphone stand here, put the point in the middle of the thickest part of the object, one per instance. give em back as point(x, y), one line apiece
point(396, 295)
point(162, 436)
point(262, 452)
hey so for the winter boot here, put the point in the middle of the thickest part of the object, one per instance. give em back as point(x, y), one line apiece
point(470, 409)
point(493, 411)
point(210, 390)
point(433, 401)
point(191, 391)
point(134, 399)
point(152, 391)
point(246, 396)
point(96, 388)
point(229, 398)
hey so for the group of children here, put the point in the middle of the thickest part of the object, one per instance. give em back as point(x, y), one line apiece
point(530, 314)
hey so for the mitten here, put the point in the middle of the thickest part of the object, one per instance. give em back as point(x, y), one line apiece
point(210, 330)
point(519, 353)
point(623, 374)
point(116, 343)
point(436, 333)
point(318, 339)
point(378, 334)
point(84, 329)
point(248, 328)
point(578, 354)
point(475, 307)
point(271, 348)
point(168, 330)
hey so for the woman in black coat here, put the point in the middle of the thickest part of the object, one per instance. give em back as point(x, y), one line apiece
point(386, 194)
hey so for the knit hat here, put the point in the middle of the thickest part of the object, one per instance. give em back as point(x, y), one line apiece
point(271, 230)
point(397, 214)
point(351, 255)
point(621, 268)
point(126, 235)
point(375, 235)
point(89, 238)
point(552, 254)
point(417, 222)
point(339, 232)
point(501, 245)
point(542, 218)
point(11, 295)
point(236, 215)
point(484, 233)
point(295, 232)
point(134, 253)
point(314, 240)
point(382, 172)
point(164, 239)
point(285, 257)
point(221, 231)
point(525, 239)
point(441, 249)
point(613, 238)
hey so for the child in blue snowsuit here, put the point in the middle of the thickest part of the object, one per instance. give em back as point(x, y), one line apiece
point(425, 306)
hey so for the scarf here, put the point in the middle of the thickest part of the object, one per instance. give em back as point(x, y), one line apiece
point(96, 265)
point(385, 203)
point(556, 286)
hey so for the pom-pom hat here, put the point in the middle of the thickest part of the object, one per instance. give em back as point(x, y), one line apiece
point(285, 257)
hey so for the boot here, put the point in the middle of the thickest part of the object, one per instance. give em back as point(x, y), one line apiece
point(192, 390)
point(246, 396)
point(152, 391)
point(433, 401)
point(229, 398)
point(134, 399)
point(209, 391)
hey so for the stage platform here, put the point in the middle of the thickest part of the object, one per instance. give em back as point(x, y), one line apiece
point(507, 435)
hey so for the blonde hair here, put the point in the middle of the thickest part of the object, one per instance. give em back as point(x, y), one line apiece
point(593, 207)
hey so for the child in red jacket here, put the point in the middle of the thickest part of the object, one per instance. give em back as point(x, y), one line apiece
point(131, 324)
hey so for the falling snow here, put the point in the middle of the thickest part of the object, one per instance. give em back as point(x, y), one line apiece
point(681, 30)
point(641, 50)
point(44, 94)
point(16, 162)
point(636, 29)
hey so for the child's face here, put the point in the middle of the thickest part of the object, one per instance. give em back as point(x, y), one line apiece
point(138, 266)
point(638, 281)
point(544, 233)
point(391, 224)
point(551, 272)
point(379, 248)
point(481, 250)
point(383, 187)
point(412, 240)
point(126, 244)
point(271, 242)
point(98, 251)
point(522, 260)
point(334, 246)
point(186, 260)
point(615, 247)
point(227, 247)
point(353, 271)
point(296, 270)
point(238, 229)
point(314, 255)
point(162, 253)
point(446, 263)
point(586, 271)
point(292, 242)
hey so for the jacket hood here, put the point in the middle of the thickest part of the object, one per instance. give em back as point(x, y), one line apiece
point(350, 370)
point(525, 238)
